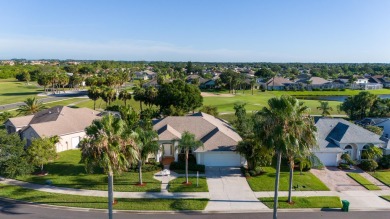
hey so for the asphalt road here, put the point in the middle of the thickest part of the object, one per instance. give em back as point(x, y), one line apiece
point(58, 97)
point(16, 210)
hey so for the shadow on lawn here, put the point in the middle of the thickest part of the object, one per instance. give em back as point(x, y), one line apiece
point(19, 93)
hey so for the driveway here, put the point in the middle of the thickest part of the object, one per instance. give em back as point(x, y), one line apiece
point(229, 191)
point(337, 180)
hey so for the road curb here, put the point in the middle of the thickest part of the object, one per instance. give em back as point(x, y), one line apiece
point(34, 204)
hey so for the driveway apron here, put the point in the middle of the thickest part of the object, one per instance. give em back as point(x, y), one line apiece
point(229, 191)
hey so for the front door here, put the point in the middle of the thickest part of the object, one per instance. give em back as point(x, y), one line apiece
point(167, 149)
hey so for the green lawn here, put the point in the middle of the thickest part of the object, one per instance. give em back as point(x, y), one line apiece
point(347, 92)
point(386, 197)
point(383, 176)
point(305, 202)
point(305, 182)
point(177, 185)
point(67, 172)
point(12, 91)
point(19, 193)
point(363, 181)
point(258, 101)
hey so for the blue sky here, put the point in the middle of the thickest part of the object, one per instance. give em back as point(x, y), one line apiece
point(197, 30)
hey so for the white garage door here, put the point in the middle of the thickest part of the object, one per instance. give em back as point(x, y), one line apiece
point(226, 158)
point(75, 142)
point(328, 159)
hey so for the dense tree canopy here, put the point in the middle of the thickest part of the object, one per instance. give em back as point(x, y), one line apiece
point(178, 94)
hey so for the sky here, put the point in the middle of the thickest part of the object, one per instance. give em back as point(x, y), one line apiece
point(197, 30)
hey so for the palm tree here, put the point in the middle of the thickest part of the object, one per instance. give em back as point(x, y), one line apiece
point(32, 105)
point(325, 108)
point(63, 80)
point(252, 83)
point(187, 143)
point(279, 127)
point(94, 94)
point(147, 144)
point(304, 129)
point(150, 95)
point(109, 147)
point(108, 95)
point(125, 95)
point(139, 95)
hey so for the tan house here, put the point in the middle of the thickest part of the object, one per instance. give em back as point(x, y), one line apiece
point(218, 137)
point(65, 122)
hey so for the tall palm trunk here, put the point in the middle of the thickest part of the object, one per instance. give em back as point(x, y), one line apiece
point(291, 180)
point(279, 157)
point(94, 104)
point(140, 171)
point(187, 166)
point(140, 105)
point(110, 194)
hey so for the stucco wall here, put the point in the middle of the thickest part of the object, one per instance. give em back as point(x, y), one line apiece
point(66, 141)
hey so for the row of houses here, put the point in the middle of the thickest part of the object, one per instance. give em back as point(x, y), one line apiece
point(335, 136)
point(310, 83)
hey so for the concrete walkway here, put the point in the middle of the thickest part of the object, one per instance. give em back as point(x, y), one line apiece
point(229, 191)
point(97, 193)
point(337, 180)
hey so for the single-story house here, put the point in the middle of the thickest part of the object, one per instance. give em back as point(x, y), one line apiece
point(338, 136)
point(218, 137)
point(62, 121)
point(278, 83)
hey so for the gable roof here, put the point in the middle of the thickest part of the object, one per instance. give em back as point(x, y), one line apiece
point(318, 80)
point(215, 134)
point(332, 132)
point(20, 122)
point(61, 120)
point(278, 81)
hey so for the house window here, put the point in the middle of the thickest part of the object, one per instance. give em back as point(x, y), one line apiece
point(363, 154)
point(348, 149)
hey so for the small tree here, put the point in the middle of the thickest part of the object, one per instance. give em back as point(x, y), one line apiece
point(325, 108)
point(94, 94)
point(147, 144)
point(41, 151)
point(13, 157)
point(125, 95)
point(377, 130)
point(187, 143)
point(372, 153)
point(212, 110)
point(32, 105)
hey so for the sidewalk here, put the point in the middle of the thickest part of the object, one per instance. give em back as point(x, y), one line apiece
point(359, 200)
point(96, 193)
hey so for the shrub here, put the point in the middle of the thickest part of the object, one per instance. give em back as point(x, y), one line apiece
point(347, 159)
point(148, 167)
point(191, 166)
point(191, 158)
point(384, 162)
point(368, 165)
point(247, 174)
point(344, 166)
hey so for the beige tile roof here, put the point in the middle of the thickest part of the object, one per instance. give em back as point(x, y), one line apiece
point(278, 81)
point(215, 134)
point(21, 121)
point(62, 120)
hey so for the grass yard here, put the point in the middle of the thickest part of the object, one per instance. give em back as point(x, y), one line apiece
point(258, 101)
point(305, 182)
point(67, 172)
point(12, 91)
point(19, 193)
point(177, 185)
point(347, 92)
point(386, 197)
point(305, 202)
point(382, 175)
point(363, 181)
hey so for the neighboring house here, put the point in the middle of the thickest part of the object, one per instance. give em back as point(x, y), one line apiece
point(383, 123)
point(210, 84)
point(152, 83)
point(365, 84)
point(278, 83)
point(338, 136)
point(316, 83)
point(379, 79)
point(145, 75)
point(65, 122)
point(218, 137)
